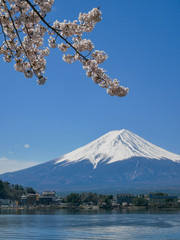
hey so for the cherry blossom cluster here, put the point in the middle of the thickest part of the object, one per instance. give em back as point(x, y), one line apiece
point(23, 28)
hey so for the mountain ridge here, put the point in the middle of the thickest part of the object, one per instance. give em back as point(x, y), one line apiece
point(118, 160)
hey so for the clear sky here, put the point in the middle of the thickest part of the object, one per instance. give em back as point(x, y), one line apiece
point(41, 123)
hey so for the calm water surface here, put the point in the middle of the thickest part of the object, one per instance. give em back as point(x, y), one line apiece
point(99, 225)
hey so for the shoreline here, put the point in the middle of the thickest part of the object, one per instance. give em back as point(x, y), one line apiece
point(89, 208)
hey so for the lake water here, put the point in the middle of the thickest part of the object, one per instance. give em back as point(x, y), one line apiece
point(88, 224)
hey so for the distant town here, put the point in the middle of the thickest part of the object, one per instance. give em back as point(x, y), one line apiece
point(16, 196)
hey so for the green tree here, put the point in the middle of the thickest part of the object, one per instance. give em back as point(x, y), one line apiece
point(92, 197)
point(139, 201)
point(158, 194)
point(74, 199)
point(11, 191)
point(2, 190)
point(30, 190)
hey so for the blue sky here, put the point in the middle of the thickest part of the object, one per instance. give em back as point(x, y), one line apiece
point(41, 123)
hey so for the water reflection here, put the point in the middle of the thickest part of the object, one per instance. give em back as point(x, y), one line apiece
point(46, 211)
point(94, 225)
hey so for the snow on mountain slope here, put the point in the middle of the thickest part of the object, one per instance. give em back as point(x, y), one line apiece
point(117, 146)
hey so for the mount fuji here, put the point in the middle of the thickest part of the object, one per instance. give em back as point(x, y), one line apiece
point(118, 161)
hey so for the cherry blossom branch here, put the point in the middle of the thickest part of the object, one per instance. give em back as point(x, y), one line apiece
point(18, 35)
point(23, 17)
point(5, 38)
point(53, 29)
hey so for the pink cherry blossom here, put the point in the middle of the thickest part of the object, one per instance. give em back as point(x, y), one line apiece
point(24, 30)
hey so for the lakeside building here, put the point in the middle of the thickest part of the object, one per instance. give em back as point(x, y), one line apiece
point(8, 202)
point(49, 194)
point(5, 201)
point(24, 199)
point(46, 198)
point(30, 199)
point(124, 198)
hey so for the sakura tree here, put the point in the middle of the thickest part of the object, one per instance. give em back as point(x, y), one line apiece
point(24, 31)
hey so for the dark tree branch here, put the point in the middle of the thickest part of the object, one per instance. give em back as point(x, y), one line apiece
point(19, 38)
point(49, 26)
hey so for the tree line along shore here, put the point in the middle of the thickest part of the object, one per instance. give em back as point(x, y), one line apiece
point(14, 196)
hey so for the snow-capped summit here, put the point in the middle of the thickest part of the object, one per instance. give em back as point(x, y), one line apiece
point(116, 146)
point(119, 160)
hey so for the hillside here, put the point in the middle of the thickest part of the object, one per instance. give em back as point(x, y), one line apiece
point(119, 160)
